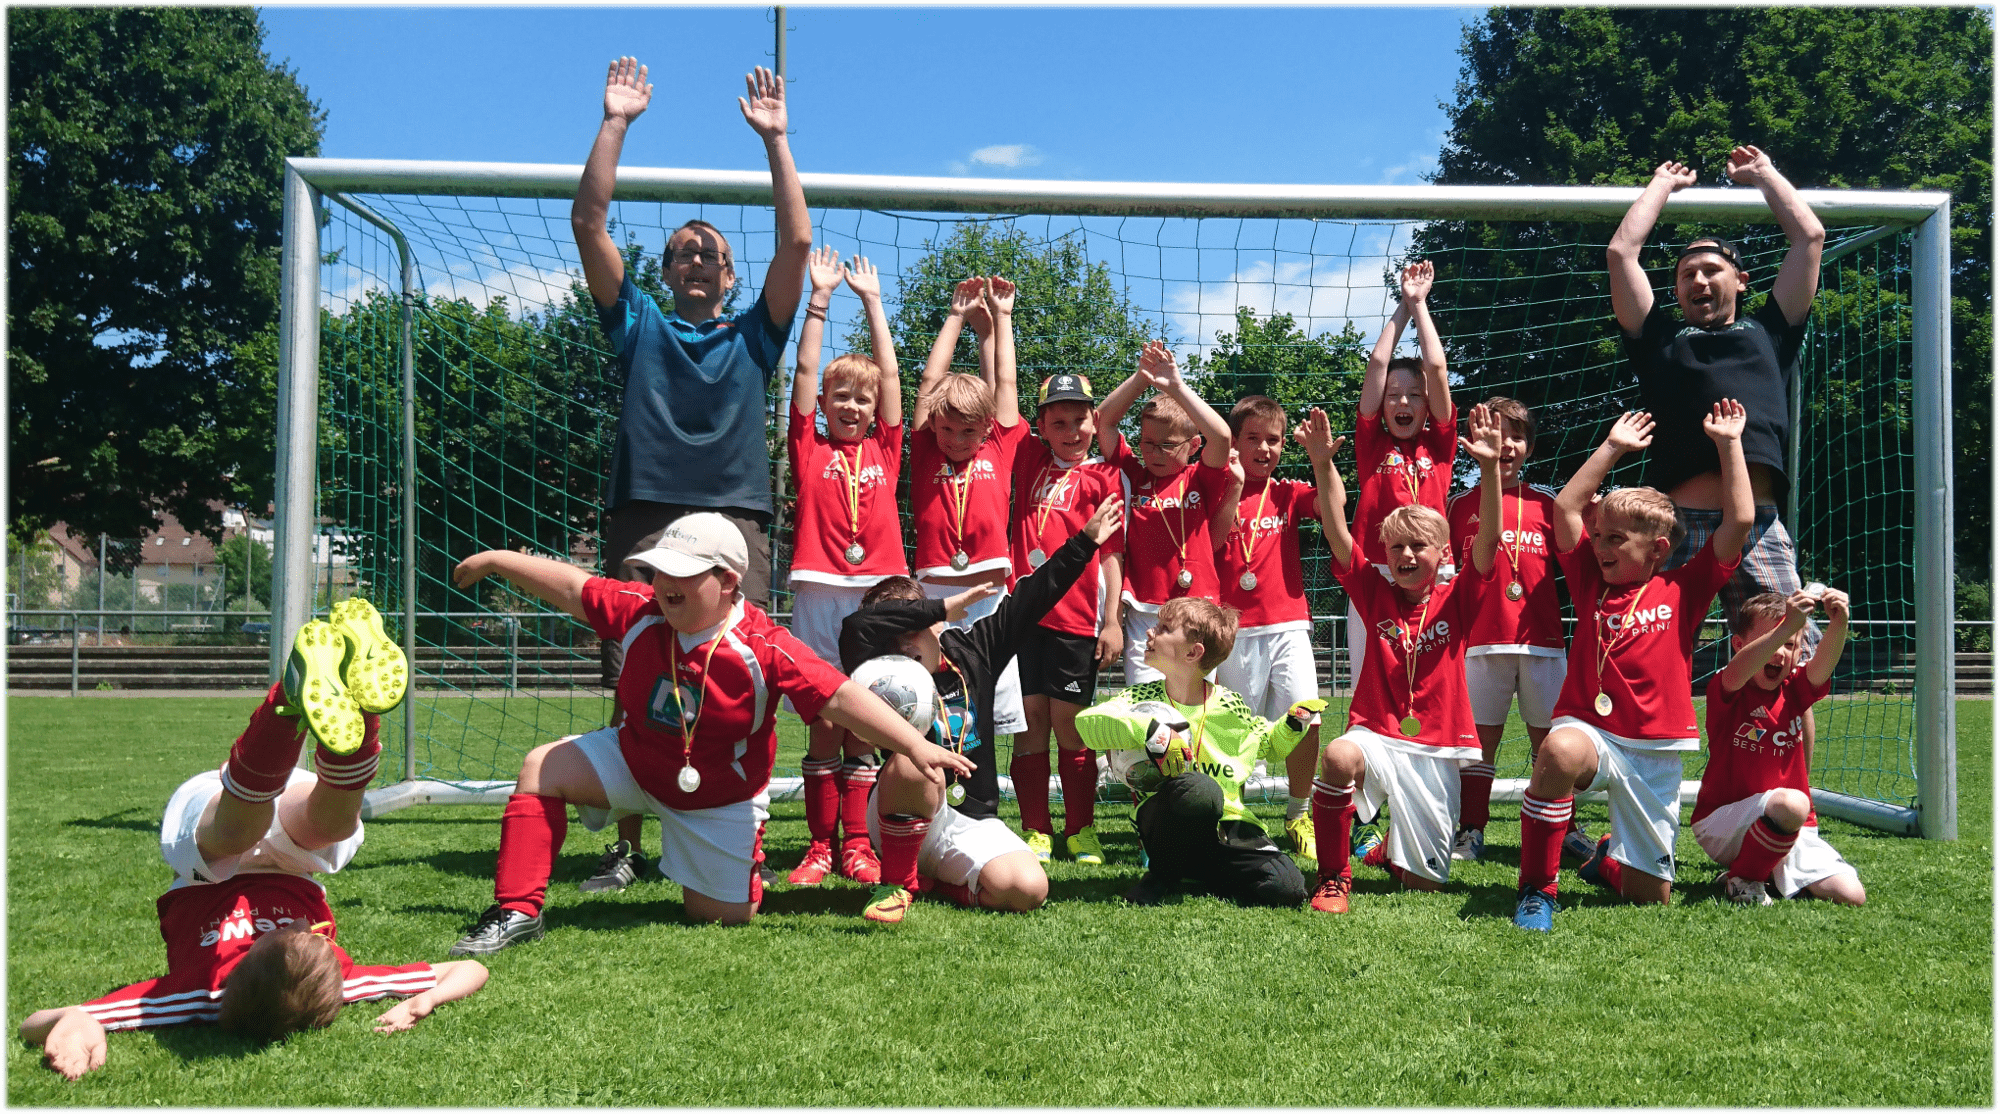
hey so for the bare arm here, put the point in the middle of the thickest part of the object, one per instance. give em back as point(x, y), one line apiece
point(1631, 291)
point(1006, 387)
point(1724, 426)
point(1798, 276)
point(1224, 519)
point(1375, 380)
point(1631, 432)
point(457, 979)
point(554, 583)
point(1756, 654)
point(1158, 366)
point(1417, 281)
point(1111, 632)
point(867, 285)
point(765, 112)
point(824, 271)
point(865, 714)
point(1112, 410)
point(626, 95)
point(1826, 656)
point(1484, 445)
point(1316, 435)
point(938, 364)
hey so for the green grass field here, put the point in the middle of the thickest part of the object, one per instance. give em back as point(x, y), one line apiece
point(1413, 999)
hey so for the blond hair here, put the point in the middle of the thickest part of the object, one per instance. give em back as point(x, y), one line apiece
point(962, 398)
point(1160, 408)
point(1416, 521)
point(1203, 621)
point(1648, 509)
point(288, 981)
point(853, 370)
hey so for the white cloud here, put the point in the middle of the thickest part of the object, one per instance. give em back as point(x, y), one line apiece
point(525, 286)
point(1007, 156)
point(1410, 172)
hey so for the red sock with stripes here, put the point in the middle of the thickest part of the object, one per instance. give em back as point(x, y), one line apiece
point(854, 778)
point(531, 829)
point(1031, 788)
point(351, 771)
point(902, 837)
point(822, 797)
point(1078, 770)
point(1475, 795)
point(1543, 822)
point(1333, 826)
point(1764, 847)
point(261, 761)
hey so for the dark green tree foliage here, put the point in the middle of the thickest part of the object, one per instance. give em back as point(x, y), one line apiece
point(246, 571)
point(1273, 356)
point(146, 151)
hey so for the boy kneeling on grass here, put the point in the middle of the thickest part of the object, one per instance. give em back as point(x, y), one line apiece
point(249, 934)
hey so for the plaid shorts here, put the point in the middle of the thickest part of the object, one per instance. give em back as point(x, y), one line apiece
point(1770, 562)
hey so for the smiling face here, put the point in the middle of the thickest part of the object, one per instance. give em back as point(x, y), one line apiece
point(1413, 564)
point(1403, 403)
point(699, 282)
point(849, 407)
point(1707, 287)
point(1514, 448)
point(958, 439)
point(1782, 663)
point(1165, 450)
point(1067, 428)
point(1260, 445)
point(1626, 551)
point(694, 603)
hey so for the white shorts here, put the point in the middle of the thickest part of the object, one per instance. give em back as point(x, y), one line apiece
point(957, 847)
point(1271, 669)
point(1812, 858)
point(713, 851)
point(1644, 787)
point(1422, 794)
point(1493, 679)
point(1138, 627)
point(1008, 719)
point(817, 610)
point(274, 854)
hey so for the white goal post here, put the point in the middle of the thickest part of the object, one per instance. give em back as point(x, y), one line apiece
point(311, 183)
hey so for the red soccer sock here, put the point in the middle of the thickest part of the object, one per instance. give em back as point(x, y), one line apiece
point(261, 761)
point(1475, 795)
point(853, 781)
point(902, 837)
point(1078, 771)
point(1764, 847)
point(953, 892)
point(1333, 826)
point(1543, 822)
point(1378, 855)
point(822, 797)
point(531, 829)
point(351, 771)
point(1031, 788)
point(1613, 873)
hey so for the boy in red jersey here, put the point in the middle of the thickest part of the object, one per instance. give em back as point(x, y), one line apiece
point(1754, 814)
point(1409, 727)
point(1405, 436)
point(703, 674)
point(1057, 486)
point(249, 933)
point(847, 536)
point(1168, 551)
point(1625, 713)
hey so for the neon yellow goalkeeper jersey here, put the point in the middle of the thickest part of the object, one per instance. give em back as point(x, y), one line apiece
point(1229, 737)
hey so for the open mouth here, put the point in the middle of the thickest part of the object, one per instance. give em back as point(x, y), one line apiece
point(1774, 672)
point(673, 599)
point(1406, 570)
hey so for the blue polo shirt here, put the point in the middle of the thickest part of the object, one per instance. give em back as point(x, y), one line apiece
point(692, 427)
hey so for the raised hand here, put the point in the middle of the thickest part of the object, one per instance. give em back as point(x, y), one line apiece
point(1235, 466)
point(1799, 607)
point(472, 570)
point(1725, 421)
point(1156, 364)
point(958, 606)
point(969, 303)
point(823, 269)
point(1836, 603)
point(1483, 444)
point(862, 279)
point(626, 93)
point(1416, 281)
point(1748, 165)
point(1677, 175)
point(1106, 520)
point(999, 295)
point(1631, 432)
point(765, 110)
point(1315, 435)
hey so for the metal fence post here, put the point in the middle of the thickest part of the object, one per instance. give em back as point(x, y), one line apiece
point(75, 655)
point(1930, 342)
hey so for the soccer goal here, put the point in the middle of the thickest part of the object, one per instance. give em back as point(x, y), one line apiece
point(445, 388)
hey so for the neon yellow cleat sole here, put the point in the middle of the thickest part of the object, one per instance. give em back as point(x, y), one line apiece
point(313, 686)
point(375, 671)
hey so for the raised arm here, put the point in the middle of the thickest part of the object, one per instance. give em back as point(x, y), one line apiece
point(1417, 282)
point(460, 978)
point(824, 271)
point(1819, 668)
point(964, 297)
point(1006, 388)
point(1631, 291)
point(1375, 379)
point(1724, 426)
point(867, 285)
point(1483, 443)
point(1756, 654)
point(554, 583)
point(626, 95)
point(1158, 366)
point(1798, 276)
point(1224, 519)
point(1316, 435)
point(1631, 432)
point(766, 114)
point(1112, 410)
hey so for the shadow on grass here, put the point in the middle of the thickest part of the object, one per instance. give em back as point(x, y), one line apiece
point(128, 819)
point(1102, 891)
point(471, 864)
point(845, 901)
point(205, 1042)
point(1493, 901)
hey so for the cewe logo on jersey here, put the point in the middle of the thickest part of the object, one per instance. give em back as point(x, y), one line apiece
point(1645, 620)
point(1526, 539)
point(871, 475)
point(974, 468)
point(1188, 499)
point(241, 925)
point(1428, 639)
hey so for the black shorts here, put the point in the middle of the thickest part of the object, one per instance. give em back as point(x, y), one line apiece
point(1059, 666)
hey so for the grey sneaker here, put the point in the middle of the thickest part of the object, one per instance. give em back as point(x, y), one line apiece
point(1578, 845)
point(1745, 891)
point(619, 867)
point(1469, 843)
point(497, 928)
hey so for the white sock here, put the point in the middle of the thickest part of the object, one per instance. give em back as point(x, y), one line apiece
point(1296, 807)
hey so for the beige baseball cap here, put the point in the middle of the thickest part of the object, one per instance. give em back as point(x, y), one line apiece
point(695, 543)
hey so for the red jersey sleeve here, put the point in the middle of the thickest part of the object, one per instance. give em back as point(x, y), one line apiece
point(1008, 438)
point(795, 671)
point(1119, 455)
point(361, 983)
point(798, 442)
point(613, 607)
point(154, 1002)
point(1110, 485)
point(1700, 579)
point(1346, 575)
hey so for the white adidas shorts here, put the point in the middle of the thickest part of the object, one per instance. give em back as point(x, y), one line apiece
point(1138, 627)
point(1645, 791)
point(1422, 794)
point(1008, 719)
point(817, 611)
point(1492, 680)
point(713, 851)
point(957, 847)
point(1812, 858)
point(274, 854)
point(1271, 669)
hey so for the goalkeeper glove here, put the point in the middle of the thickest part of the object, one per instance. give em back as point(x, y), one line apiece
point(1304, 714)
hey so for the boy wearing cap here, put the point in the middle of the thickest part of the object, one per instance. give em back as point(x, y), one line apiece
point(699, 691)
point(1057, 486)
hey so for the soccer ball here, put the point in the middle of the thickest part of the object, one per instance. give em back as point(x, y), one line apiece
point(1163, 749)
point(903, 684)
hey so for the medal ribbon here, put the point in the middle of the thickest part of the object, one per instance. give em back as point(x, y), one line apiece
point(1200, 725)
point(944, 715)
point(1514, 550)
point(1409, 652)
point(852, 475)
point(1050, 497)
point(674, 679)
point(1160, 505)
point(958, 496)
point(1249, 529)
point(1604, 645)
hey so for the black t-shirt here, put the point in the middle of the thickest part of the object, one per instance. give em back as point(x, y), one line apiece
point(1684, 370)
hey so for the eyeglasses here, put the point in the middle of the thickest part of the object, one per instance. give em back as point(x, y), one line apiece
point(1169, 447)
point(685, 258)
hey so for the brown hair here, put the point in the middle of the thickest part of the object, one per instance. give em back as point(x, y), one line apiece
point(1160, 408)
point(288, 981)
point(1764, 605)
point(728, 253)
point(1414, 521)
point(1410, 364)
point(1514, 410)
point(1647, 508)
point(1203, 621)
point(892, 588)
point(962, 398)
point(853, 369)
point(1254, 406)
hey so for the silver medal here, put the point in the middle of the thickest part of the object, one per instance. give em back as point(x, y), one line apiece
point(1603, 704)
point(959, 561)
point(1184, 578)
point(955, 794)
point(1035, 558)
point(689, 779)
point(1247, 582)
point(855, 553)
point(1514, 590)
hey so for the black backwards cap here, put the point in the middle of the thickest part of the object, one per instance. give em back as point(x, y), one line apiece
point(1713, 245)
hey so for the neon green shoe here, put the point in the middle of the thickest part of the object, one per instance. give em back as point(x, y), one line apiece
point(313, 687)
point(1300, 834)
point(375, 671)
point(888, 904)
point(1040, 844)
point(1084, 848)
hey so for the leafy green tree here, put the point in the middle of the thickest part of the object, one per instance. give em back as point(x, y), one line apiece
point(146, 151)
point(1273, 356)
point(246, 573)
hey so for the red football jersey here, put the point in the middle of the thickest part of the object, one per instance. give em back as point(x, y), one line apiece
point(1052, 501)
point(1526, 557)
point(1650, 669)
point(726, 681)
point(1166, 527)
point(847, 496)
point(1756, 741)
point(1396, 473)
point(1434, 692)
point(962, 508)
point(1268, 516)
point(208, 928)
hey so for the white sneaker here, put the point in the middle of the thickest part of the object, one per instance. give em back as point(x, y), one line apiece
point(1745, 891)
point(1467, 847)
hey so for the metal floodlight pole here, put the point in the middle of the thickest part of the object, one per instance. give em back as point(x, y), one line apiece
point(298, 418)
point(1937, 719)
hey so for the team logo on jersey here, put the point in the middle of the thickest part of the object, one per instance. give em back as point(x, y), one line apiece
point(975, 468)
point(1057, 493)
point(1528, 539)
point(1760, 712)
point(241, 925)
point(1750, 733)
point(664, 712)
point(1645, 620)
point(1190, 500)
point(1430, 638)
point(872, 475)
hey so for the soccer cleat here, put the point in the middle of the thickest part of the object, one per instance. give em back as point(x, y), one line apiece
point(1535, 911)
point(1745, 891)
point(1468, 845)
point(888, 904)
point(1040, 844)
point(617, 868)
point(1084, 847)
point(1332, 894)
point(1578, 845)
point(498, 928)
point(1592, 870)
point(375, 671)
point(1299, 836)
point(859, 863)
point(1150, 890)
point(814, 868)
point(1369, 845)
point(1360, 836)
point(313, 687)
